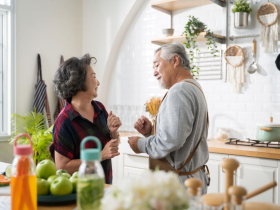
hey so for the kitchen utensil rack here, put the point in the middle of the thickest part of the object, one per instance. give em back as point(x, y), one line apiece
point(244, 36)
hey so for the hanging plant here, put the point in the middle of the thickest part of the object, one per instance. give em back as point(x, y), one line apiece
point(192, 30)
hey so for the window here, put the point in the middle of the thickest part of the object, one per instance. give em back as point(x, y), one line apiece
point(6, 66)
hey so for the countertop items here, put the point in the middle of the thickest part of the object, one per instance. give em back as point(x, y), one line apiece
point(216, 146)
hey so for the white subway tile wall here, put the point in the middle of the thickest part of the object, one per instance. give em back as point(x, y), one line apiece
point(133, 82)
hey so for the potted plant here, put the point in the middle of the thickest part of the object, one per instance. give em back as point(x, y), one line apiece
point(33, 123)
point(241, 10)
point(192, 30)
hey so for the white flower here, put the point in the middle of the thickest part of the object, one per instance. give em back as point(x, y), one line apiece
point(152, 191)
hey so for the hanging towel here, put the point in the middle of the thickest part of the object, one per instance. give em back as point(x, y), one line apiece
point(60, 102)
point(41, 98)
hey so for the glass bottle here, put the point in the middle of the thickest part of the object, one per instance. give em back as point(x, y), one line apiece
point(130, 119)
point(120, 115)
point(194, 189)
point(125, 118)
point(23, 177)
point(90, 187)
point(238, 195)
point(222, 134)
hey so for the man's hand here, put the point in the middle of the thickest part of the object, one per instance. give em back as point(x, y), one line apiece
point(143, 125)
point(113, 122)
point(133, 143)
point(110, 150)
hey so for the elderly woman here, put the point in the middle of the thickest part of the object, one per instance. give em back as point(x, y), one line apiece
point(75, 81)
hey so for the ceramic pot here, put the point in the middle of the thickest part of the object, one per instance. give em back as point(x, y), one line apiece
point(268, 132)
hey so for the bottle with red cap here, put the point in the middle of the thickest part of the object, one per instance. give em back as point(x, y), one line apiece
point(23, 177)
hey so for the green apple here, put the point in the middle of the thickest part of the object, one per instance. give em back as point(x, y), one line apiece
point(74, 181)
point(45, 169)
point(43, 187)
point(75, 174)
point(66, 175)
point(52, 177)
point(61, 186)
point(60, 171)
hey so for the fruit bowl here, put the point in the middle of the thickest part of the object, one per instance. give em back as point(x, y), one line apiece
point(56, 198)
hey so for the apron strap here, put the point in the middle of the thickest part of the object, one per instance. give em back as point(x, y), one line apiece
point(194, 150)
point(164, 164)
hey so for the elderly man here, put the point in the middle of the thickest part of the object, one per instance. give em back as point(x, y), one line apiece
point(179, 144)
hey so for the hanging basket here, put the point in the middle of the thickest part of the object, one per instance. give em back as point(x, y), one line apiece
point(267, 14)
point(234, 56)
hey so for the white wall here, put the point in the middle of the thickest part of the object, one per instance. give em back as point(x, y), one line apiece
point(105, 24)
point(133, 83)
point(49, 28)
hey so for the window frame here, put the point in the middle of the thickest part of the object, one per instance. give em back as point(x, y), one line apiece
point(9, 64)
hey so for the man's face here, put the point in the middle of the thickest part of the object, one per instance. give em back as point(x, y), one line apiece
point(163, 71)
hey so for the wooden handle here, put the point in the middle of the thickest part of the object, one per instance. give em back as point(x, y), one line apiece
point(265, 129)
point(229, 165)
point(254, 46)
point(271, 119)
point(193, 185)
point(260, 206)
point(261, 189)
point(237, 194)
point(213, 199)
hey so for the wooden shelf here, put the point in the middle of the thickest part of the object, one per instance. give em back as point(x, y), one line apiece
point(182, 39)
point(171, 5)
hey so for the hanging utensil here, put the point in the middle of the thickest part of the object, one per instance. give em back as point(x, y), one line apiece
point(253, 67)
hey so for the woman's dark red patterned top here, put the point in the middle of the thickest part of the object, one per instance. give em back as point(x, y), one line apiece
point(71, 128)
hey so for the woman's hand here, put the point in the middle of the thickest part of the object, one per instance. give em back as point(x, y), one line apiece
point(110, 150)
point(143, 125)
point(113, 122)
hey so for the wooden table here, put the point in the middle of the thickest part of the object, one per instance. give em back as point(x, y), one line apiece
point(61, 207)
point(5, 191)
point(69, 206)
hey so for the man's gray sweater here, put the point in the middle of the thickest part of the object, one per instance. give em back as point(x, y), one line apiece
point(181, 122)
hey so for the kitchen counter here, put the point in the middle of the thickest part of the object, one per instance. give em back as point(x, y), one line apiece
point(216, 146)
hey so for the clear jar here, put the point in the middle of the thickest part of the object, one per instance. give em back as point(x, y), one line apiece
point(90, 187)
point(23, 178)
point(196, 201)
point(222, 134)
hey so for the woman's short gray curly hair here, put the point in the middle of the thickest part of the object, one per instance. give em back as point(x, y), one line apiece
point(70, 78)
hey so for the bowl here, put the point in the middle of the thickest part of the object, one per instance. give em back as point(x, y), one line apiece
point(168, 31)
point(43, 199)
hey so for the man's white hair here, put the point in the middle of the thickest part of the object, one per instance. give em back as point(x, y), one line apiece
point(176, 48)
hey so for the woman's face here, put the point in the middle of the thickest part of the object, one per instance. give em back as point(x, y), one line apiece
point(91, 82)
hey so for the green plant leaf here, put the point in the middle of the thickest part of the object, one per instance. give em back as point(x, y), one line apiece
point(33, 123)
point(192, 30)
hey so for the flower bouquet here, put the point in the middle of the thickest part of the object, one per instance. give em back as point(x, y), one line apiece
point(152, 107)
point(157, 190)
